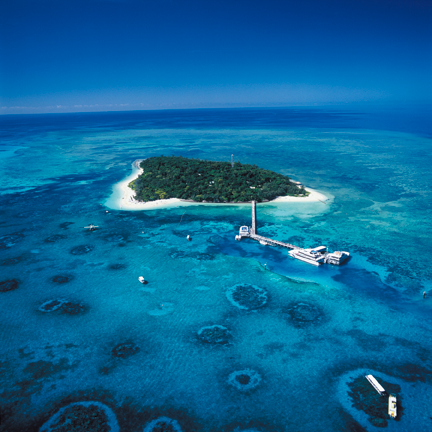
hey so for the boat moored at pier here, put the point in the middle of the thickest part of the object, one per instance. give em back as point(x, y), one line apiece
point(336, 258)
point(310, 256)
point(315, 256)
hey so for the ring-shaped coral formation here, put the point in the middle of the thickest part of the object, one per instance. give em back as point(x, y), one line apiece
point(8, 285)
point(302, 314)
point(62, 305)
point(51, 305)
point(247, 297)
point(244, 380)
point(163, 424)
point(215, 335)
point(125, 350)
point(81, 250)
point(80, 416)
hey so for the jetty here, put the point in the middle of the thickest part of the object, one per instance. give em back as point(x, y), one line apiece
point(316, 256)
point(251, 232)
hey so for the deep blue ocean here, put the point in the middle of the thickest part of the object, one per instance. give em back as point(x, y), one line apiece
point(179, 353)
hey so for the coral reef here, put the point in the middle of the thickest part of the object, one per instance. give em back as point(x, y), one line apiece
point(11, 261)
point(124, 350)
point(163, 424)
point(61, 279)
point(54, 238)
point(215, 334)
point(8, 285)
point(81, 250)
point(366, 399)
point(63, 305)
point(244, 380)
point(10, 240)
point(65, 225)
point(117, 266)
point(51, 305)
point(82, 416)
point(71, 308)
point(247, 297)
point(303, 314)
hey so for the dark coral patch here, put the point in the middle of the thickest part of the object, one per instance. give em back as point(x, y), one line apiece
point(215, 335)
point(81, 250)
point(125, 350)
point(61, 279)
point(42, 369)
point(54, 238)
point(243, 379)
point(114, 238)
point(11, 261)
point(117, 266)
point(201, 256)
point(78, 417)
point(365, 398)
point(10, 240)
point(303, 314)
point(65, 225)
point(216, 239)
point(247, 297)
point(71, 308)
point(8, 285)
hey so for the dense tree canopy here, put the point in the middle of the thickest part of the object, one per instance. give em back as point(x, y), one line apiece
point(206, 181)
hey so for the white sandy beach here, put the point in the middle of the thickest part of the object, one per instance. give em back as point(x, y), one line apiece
point(123, 197)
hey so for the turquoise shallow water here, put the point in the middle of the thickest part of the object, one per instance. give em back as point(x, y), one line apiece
point(319, 329)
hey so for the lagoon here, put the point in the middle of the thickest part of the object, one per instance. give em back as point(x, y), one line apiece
point(319, 329)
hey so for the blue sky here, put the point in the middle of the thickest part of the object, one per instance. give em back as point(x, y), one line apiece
point(98, 55)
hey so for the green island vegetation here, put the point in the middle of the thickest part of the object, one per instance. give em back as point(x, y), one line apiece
point(167, 177)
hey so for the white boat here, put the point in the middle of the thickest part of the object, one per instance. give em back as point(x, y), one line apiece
point(188, 238)
point(310, 256)
point(336, 258)
point(142, 280)
point(392, 406)
point(375, 384)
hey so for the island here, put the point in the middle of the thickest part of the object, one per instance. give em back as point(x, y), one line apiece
point(167, 177)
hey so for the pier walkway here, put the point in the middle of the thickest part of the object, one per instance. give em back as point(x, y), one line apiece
point(251, 232)
point(316, 256)
point(272, 242)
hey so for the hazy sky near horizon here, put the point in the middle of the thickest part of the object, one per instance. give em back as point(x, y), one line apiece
point(98, 55)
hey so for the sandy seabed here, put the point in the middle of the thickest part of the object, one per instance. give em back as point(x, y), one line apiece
point(123, 197)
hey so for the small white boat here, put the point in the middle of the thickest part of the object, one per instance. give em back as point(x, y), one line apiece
point(188, 238)
point(392, 406)
point(142, 280)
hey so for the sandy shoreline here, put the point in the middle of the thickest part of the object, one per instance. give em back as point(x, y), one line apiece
point(123, 197)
